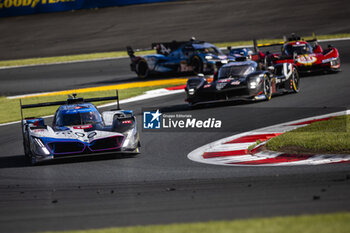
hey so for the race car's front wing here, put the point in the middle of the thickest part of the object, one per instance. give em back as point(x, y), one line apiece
point(241, 92)
point(43, 149)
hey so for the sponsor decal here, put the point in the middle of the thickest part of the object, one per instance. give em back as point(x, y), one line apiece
point(38, 130)
point(235, 83)
point(220, 85)
point(82, 127)
point(29, 3)
point(306, 59)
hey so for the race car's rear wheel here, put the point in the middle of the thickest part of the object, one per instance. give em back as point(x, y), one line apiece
point(197, 65)
point(142, 69)
point(295, 80)
point(267, 88)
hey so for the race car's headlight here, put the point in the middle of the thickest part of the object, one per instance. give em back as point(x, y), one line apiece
point(41, 147)
point(129, 137)
point(224, 61)
point(208, 57)
point(332, 59)
point(252, 85)
point(191, 91)
point(255, 81)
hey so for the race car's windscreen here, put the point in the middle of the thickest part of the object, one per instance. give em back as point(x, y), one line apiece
point(235, 71)
point(298, 49)
point(67, 118)
point(211, 50)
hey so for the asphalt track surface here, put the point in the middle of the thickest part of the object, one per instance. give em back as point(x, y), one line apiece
point(111, 29)
point(161, 185)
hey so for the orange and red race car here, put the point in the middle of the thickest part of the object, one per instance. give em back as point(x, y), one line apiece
point(307, 55)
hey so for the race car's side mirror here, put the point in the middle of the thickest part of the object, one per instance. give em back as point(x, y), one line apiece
point(318, 49)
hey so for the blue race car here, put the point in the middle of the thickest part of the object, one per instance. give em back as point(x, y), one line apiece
point(78, 129)
point(240, 52)
point(179, 57)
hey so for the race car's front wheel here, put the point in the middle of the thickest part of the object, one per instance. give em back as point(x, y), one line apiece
point(267, 88)
point(26, 151)
point(33, 161)
point(197, 65)
point(295, 80)
point(142, 69)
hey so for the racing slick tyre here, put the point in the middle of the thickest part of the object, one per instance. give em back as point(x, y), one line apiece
point(267, 88)
point(197, 65)
point(142, 69)
point(295, 80)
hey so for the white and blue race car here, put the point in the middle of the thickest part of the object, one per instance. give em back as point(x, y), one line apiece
point(78, 129)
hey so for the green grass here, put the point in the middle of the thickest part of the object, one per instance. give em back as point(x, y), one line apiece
point(92, 56)
point(251, 147)
point(68, 58)
point(10, 108)
point(332, 136)
point(323, 223)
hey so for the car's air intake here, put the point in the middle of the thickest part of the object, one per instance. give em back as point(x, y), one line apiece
point(66, 147)
point(106, 143)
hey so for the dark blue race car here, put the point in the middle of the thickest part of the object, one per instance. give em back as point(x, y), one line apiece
point(179, 57)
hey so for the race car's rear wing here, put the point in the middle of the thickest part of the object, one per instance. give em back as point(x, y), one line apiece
point(162, 47)
point(71, 100)
point(292, 38)
point(131, 51)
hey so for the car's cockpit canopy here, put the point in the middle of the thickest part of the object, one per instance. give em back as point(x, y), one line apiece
point(298, 48)
point(237, 69)
point(81, 114)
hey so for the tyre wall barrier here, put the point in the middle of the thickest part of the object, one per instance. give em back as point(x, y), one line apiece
point(26, 7)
